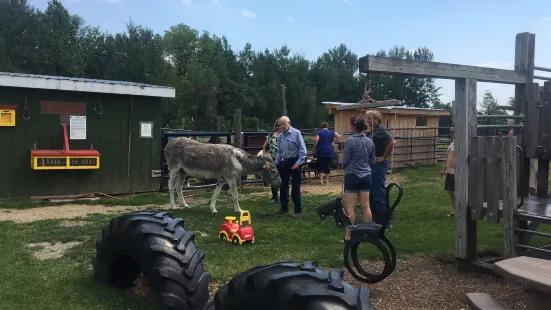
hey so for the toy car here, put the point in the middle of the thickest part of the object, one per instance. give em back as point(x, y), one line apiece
point(234, 231)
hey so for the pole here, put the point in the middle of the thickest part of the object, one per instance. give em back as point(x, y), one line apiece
point(214, 112)
point(196, 109)
point(237, 134)
point(283, 100)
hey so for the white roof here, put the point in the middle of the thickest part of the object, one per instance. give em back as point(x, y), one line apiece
point(385, 107)
point(84, 85)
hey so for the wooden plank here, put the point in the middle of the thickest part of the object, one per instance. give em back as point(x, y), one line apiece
point(395, 66)
point(465, 127)
point(524, 64)
point(476, 174)
point(376, 104)
point(493, 174)
point(533, 274)
point(545, 102)
point(483, 301)
point(509, 176)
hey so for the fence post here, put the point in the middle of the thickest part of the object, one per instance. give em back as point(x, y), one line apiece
point(237, 134)
point(509, 176)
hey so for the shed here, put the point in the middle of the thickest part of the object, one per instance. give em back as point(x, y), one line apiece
point(70, 136)
point(415, 130)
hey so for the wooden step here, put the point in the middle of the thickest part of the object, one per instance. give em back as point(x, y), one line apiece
point(483, 301)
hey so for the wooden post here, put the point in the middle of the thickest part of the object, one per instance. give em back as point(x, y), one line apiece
point(196, 109)
point(509, 176)
point(524, 64)
point(465, 127)
point(237, 133)
point(214, 112)
point(283, 100)
point(183, 119)
point(545, 130)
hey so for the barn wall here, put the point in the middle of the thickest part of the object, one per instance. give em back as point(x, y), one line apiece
point(414, 144)
point(107, 133)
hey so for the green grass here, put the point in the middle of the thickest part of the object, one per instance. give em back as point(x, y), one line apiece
point(420, 226)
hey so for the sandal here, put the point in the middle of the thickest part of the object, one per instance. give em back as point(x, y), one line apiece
point(344, 240)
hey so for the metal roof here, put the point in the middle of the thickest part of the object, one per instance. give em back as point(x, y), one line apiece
point(387, 107)
point(53, 77)
point(26, 80)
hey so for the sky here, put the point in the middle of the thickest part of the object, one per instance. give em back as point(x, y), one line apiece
point(467, 32)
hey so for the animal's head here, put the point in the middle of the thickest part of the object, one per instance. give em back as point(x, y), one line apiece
point(270, 174)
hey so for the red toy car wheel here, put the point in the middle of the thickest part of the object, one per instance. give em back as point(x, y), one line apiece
point(223, 237)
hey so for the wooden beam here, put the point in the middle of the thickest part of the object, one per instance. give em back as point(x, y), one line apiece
point(465, 127)
point(237, 130)
point(508, 188)
point(376, 104)
point(440, 70)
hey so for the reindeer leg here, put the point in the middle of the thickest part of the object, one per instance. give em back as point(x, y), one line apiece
point(215, 195)
point(173, 176)
point(233, 188)
point(179, 184)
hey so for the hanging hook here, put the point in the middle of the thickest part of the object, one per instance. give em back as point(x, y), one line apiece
point(99, 108)
point(26, 115)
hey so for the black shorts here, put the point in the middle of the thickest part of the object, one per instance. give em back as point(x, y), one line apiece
point(355, 184)
point(449, 184)
point(324, 165)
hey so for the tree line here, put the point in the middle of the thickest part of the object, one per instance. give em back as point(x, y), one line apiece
point(201, 67)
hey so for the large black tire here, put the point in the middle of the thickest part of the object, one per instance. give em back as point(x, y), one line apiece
point(156, 245)
point(291, 286)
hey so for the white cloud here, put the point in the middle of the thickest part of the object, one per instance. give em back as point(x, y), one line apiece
point(191, 3)
point(248, 14)
point(290, 18)
point(347, 2)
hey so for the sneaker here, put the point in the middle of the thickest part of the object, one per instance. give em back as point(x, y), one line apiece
point(297, 214)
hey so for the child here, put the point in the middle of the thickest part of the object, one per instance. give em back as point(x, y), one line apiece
point(449, 170)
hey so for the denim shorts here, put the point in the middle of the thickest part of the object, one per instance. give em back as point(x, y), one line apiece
point(355, 184)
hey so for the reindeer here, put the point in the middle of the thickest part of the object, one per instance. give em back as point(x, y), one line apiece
point(223, 162)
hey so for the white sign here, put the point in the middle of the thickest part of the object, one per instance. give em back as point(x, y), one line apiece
point(77, 127)
point(146, 130)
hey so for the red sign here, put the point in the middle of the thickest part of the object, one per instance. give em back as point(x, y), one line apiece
point(59, 107)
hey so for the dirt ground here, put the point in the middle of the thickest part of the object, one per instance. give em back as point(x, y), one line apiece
point(48, 250)
point(423, 283)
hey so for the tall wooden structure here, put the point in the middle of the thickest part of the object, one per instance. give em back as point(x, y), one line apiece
point(111, 141)
point(489, 180)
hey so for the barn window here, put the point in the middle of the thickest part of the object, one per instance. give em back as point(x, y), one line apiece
point(421, 121)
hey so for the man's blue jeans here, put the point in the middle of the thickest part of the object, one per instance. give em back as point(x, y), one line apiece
point(377, 197)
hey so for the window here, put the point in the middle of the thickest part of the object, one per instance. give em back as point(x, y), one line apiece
point(421, 121)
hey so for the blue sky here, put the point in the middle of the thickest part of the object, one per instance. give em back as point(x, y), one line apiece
point(464, 32)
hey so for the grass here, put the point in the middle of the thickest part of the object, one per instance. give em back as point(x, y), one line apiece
point(420, 226)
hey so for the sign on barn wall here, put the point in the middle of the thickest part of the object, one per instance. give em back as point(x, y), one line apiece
point(60, 107)
point(77, 127)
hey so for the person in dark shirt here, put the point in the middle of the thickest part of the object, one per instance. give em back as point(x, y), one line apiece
point(384, 145)
point(323, 148)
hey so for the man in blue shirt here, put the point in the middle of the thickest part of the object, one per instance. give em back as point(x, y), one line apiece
point(291, 154)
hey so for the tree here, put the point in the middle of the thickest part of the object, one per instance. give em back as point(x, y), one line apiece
point(56, 42)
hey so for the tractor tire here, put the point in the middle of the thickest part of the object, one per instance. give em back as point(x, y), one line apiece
point(155, 245)
point(290, 286)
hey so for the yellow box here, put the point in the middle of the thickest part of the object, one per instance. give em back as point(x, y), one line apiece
point(64, 162)
point(7, 117)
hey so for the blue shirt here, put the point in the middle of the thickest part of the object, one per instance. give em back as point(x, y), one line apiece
point(324, 147)
point(290, 145)
point(358, 155)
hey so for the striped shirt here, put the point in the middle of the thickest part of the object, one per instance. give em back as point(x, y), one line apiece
point(358, 155)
